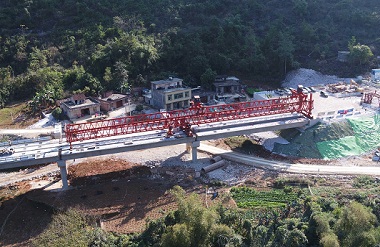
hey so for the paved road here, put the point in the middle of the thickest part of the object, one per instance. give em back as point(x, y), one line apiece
point(291, 168)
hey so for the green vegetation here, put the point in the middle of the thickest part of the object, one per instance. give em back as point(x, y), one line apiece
point(280, 183)
point(139, 108)
point(237, 141)
point(250, 198)
point(243, 144)
point(195, 225)
point(57, 113)
point(288, 217)
point(251, 91)
point(366, 182)
point(71, 228)
point(49, 49)
point(16, 115)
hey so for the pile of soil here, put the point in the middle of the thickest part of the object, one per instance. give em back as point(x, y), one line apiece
point(95, 171)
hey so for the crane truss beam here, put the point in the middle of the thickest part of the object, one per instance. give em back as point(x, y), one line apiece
point(195, 115)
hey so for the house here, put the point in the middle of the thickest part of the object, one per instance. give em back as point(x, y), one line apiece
point(170, 94)
point(227, 84)
point(375, 74)
point(343, 56)
point(206, 97)
point(228, 89)
point(110, 101)
point(79, 106)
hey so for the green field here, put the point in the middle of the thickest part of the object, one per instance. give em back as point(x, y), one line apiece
point(250, 198)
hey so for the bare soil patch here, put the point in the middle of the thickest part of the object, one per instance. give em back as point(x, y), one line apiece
point(17, 116)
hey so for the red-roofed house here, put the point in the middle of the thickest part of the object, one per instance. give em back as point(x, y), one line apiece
point(111, 101)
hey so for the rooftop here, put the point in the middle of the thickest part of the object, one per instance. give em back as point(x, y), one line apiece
point(114, 96)
point(167, 81)
point(227, 83)
point(87, 102)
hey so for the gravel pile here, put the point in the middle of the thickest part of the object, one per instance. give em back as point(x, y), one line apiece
point(232, 173)
point(309, 77)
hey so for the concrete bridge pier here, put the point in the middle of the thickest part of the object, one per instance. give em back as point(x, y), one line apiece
point(63, 167)
point(194, 150)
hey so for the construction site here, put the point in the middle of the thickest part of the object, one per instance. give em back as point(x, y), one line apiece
point(126, 189)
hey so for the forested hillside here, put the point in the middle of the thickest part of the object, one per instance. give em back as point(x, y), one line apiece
point(49, 47)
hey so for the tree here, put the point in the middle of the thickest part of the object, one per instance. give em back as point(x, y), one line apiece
point(355, 224)
point(296, 238)
point(107, 76)
point(285, 49)
point(207, 78)
point(329, 240)
point(121, 76)
point(260, 237)
point(57, 113)
point(361, 54)
point(196, 66)
point(6, 77)
point(300, 7)
point(177, 235)
point(197, 225)
point(37, 59)
point(140, 81)
point(77, 78)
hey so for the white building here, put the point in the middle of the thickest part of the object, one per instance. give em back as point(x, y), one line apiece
point(170, 94)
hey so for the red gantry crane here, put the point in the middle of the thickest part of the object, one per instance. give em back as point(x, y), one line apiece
point(196, 114)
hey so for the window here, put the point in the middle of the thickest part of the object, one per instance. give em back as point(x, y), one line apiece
point(186, 94)
point(169, 97)
point(178, 95)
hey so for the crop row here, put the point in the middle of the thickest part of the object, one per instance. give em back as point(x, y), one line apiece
point(250, 198)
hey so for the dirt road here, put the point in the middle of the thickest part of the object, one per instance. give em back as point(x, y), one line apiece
point(348, 169)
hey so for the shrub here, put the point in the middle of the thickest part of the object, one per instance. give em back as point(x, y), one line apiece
point(57, 113)
point(288, 189)
point(364, 182)
point(139, 107)
point(66, 229)
point(329, 240)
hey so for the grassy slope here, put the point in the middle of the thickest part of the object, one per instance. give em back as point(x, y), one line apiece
point(16, 116)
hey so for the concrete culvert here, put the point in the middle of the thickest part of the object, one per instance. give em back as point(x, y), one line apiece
point(215, 159)
point(214, 166)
